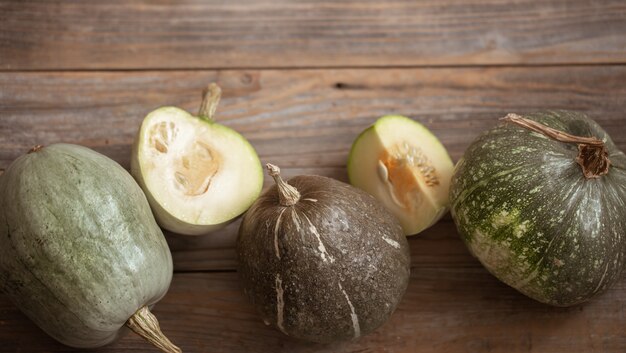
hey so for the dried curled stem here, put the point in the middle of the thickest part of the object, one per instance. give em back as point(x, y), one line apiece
point(146, 325)
point(593, 156)
point(35, 149)
point(287, 194)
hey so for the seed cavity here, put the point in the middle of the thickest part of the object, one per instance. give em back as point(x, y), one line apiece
point(195, 163)
point(181, 179)
point(162, 135)
point(195, 170)
point(397, 167)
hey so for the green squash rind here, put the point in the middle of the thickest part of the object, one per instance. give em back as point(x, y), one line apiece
point(525, 210)
point(79, 249)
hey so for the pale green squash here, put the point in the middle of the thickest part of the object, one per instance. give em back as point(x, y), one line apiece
point(80, 252)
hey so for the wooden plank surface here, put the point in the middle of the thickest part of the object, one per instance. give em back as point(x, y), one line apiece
point(121, 34)
point(446, 309)
point(305, 120)
point(301, 120)
point(301, 79)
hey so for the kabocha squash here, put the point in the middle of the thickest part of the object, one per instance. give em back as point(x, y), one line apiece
point(80, 252)
point(540, 200)
point(321, 260)
point(406, 168)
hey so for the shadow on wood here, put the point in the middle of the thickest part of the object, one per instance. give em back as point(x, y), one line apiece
point(446, 309)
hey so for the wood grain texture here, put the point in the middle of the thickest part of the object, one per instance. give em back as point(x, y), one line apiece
point(141, 34)
point(301, 120)
point(305, 121)
point(446, 309)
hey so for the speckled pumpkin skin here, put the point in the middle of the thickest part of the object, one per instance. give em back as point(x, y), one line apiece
point(80, 251)
point(525, 210)
point(331, 267)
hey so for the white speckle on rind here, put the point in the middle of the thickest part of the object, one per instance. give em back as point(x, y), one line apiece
point(355, 319)
point(276, 228)
point(521, 229)
point(504, 218)
point(280, 304)
point(392, 242)
point(323, 253)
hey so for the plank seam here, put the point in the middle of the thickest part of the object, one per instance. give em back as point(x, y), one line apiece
point(305, 68)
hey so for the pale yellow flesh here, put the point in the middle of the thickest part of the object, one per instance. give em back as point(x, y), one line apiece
point(196, 174)
point(405, 167)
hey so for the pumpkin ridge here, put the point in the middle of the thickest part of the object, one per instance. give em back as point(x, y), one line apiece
point(276, 231)
point(466, 193)
point(93, 215)
point(620, 168)
point(42, 283)
point(561, 230)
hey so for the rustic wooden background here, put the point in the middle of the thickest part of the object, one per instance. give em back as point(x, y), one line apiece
point(300, 80)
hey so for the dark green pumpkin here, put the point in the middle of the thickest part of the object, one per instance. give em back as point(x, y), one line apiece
point(80, 252)
point(525, 209)
point(323, 262)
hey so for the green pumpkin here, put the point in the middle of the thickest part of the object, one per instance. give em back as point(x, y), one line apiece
point(80, 252)
point(546, 217)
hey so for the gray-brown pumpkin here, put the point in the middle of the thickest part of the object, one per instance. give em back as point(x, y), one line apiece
point(80, 252)
point(321, 260)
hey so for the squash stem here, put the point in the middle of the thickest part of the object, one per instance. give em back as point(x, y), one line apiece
point(146, 325)
point(592, 157)
point(35, 149)
point(287, 194)
point(210, 99)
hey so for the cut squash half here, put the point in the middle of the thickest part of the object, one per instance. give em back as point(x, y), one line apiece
point(198, 175)
point(403, 165)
